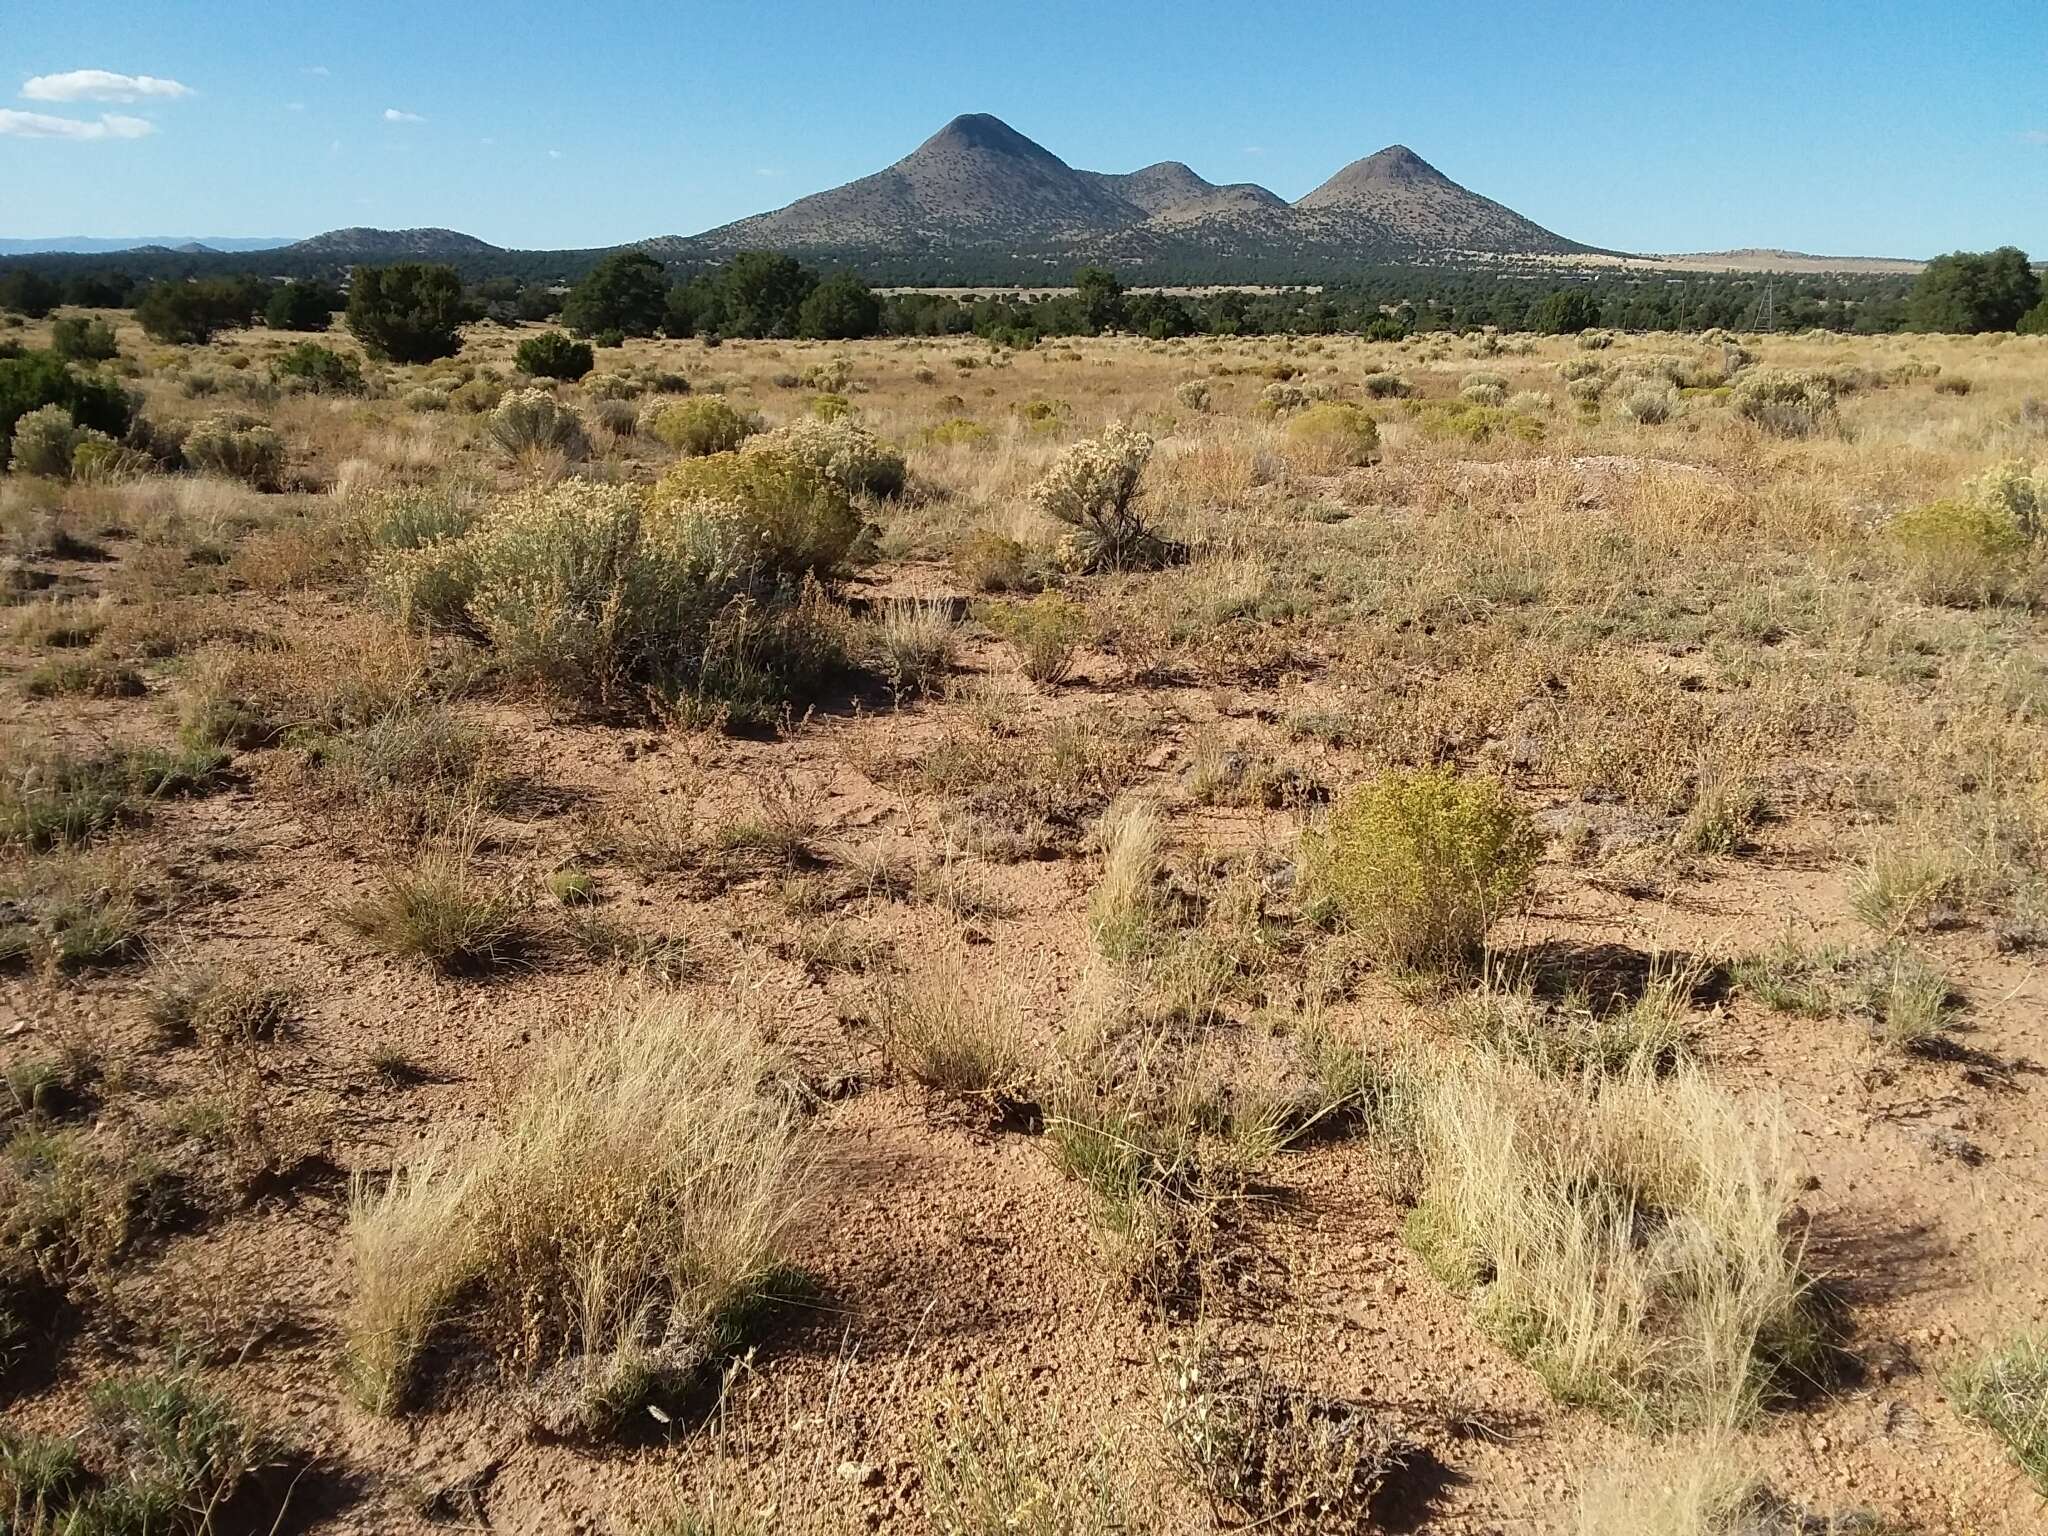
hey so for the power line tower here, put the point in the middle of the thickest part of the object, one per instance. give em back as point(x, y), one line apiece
point(1766, 312)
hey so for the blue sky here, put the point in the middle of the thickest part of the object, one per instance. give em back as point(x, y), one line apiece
point(1891, 127)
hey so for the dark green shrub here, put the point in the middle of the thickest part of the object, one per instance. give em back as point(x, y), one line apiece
point(81, 339)
point(324, 370)
point(408, 312)
point(36, 379)
point(626, 292)
point(301, 307)
point(28, 292)
point(174, 311)
point(551, 355)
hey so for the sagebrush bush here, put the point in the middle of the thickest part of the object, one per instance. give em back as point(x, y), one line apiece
point(532, 421)
point(1193, 394)
point(1386, 385)
point(552, 355)
point(1421, 862)
point(591, 590)
point(1648, 407)
point(1959, 551)
point(608, 1236)
point(1332, 435)
point(839, 450)
point(1093, 489)
point(1278, 399)
point(697, 426)
point(755, 520)
point(1785, 401)
point(239, 447)
point(992, 562)
point(43, 440)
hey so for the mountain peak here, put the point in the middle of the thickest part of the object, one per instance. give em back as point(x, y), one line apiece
point(984, 134)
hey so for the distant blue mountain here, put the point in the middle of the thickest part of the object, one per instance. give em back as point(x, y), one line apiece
point(94, 245)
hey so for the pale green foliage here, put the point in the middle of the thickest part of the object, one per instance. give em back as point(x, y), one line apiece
point(533, 421)
point(1422, 861)
point(838, 449)
point(43, 441)
point(1193, 394)
point(239, 447)
point(1978, 547)
point(697, 426)
point(1334, 434)
point(1093, 489)
point(1789, 402)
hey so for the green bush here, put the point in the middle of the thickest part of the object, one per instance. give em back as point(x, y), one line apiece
point(551, 355)
point(301, 307)
point(1334, 434)
point(1047, 632)
point(1387, 386)
point(409, 312)
point(239, 447)
point(839, 449)
point(323, 370)
point(753, 521)
point(80, 339)
point(1959, 551)
point(697, 426)
point(174, 311)
point(699, 590)
point(35, 379)
point(43, 440)
point(627, 292)
point(534, 421)
point(1420, 862)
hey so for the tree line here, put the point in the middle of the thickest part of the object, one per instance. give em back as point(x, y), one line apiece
point(411, 311)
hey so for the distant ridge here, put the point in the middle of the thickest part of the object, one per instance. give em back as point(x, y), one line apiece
point(95, 245)
point(978, 182)
point(362, 244)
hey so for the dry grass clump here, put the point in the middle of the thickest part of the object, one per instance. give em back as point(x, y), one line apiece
point(2006, 1390)
point(604, 1236)
point(71, 911)
point(913, 645)
point(1421, 862)
point(1125, 913)
point(221, 1009)
point(1632, 1239)
point(440, 906)
point(957, 1032)
point(417, 770)
point(162, 1453)
point(55, 799)
point(1003, 1461)
point(1579, 1033)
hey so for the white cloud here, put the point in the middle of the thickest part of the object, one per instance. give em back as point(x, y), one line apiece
point(40, 125)
point(101, 85)
point(317, 69)
point(766, 171)
point(1254, 149)
point(393, 115)
point(554, 154)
